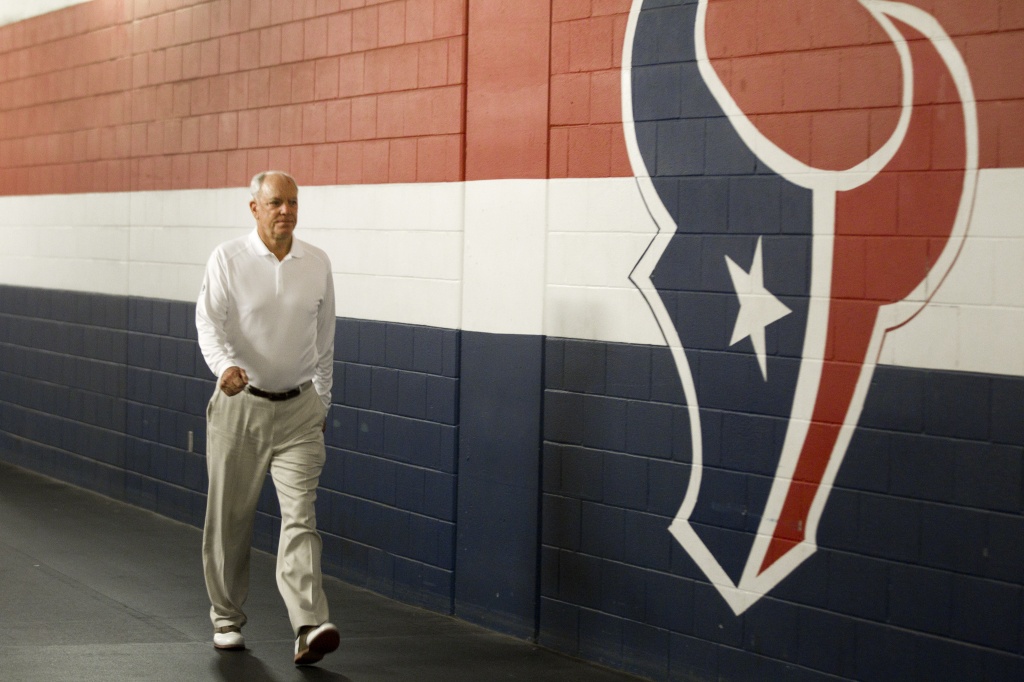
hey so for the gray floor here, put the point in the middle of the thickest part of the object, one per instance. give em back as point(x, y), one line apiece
point(92, 589)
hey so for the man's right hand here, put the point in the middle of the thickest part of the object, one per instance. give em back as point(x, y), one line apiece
point(233, 381)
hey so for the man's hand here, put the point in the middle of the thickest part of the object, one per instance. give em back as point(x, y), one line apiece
point(233, 381)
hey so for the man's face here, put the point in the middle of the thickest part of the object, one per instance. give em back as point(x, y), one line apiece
point(276, 209)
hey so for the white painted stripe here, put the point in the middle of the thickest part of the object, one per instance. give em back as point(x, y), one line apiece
point(504, 256)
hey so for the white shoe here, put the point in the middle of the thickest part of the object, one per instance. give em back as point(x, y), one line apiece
point(230, 639)
point(312, 645)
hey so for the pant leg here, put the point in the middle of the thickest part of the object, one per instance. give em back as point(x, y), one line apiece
point(237, 455)
point(295, 467)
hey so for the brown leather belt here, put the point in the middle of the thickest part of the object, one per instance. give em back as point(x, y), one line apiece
point(287, 395)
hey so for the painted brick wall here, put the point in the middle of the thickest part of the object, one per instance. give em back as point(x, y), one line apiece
point(512, 439)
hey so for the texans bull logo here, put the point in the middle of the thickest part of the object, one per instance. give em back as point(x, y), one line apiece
point(811, 168)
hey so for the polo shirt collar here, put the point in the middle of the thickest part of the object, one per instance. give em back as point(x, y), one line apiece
point(257, 245)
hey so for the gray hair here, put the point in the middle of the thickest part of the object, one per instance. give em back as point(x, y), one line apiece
point(256, 185)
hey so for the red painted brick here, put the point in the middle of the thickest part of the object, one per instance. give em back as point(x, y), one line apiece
point(558, 153)
point(839, 139)
point(391, 24)
point(567, 10)
point(339, 34)
point(227, 131)
point(419, 20)
point(449, 18)
point(259, 13)
point(314, 33)
point(209, 58)
point(326, 79)
point(402, 160)
point(350, 163)
point(270, 46)
point(270, 127)
point(560, 48)
point(375, 161)
point(996, 62)
point(209, 126)
point(217, 170)
point(338, 121)
point(256, 160)
point(602, 7)
point(364, 118)
point(590, 44)
point(351, 74)
point(325, 164)
point(364, 29)
point(432, 64)
point(732, 28)
point(292, 42)
point(291, 124)
point(870, 76)
point(589, 152)
point(237, 168)
point(303, 82)
point(299, 160)
point(606, 97)
point(314, 121)
point(280, 85)
point(570, 99)
point(201, 15)
point(791, 132)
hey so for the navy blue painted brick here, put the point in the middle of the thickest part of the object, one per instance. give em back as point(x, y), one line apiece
point(958, 408)
point(160, 321)
point(666, 487)
point(603, 531)
point(693, 658)
point(427, 350)
point(824, 642)
point(623, 590)
point(922, 467)
point(384, 390)
point(771, 628)
point(680, 147)
point(581, 473)
point(755, 206)
point(562, 522)
point(650, 101)
point(554, 363)
point(399, 346)
point(603, 423)
point(369, 432)
point(358, 386)
point(648, 542)
point(559, 626)
point(895, 401)
point(563, 417)
point(989, 477)
point(681, 272)
point(625, 481)
point(439, 495)
point(372, 343)
point(649, 429)
point(411, 394)
point(981, 610)
point(858, 585)
point(954, 539)
point(628, 371)
point(601, 637)
point(346, 340)
point(1008, 410)
point(920, 598)
point(1005, 550)
point(584, 367)
point(442, 399)
point(714, 621)
point(731, 155)
point(179, 319)
point(669, 602)
point(579, 579)
point(890, 527)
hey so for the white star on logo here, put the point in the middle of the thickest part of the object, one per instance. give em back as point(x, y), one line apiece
point(758, 306)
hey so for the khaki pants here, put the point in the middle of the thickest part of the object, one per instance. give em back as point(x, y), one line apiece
point(246, 437)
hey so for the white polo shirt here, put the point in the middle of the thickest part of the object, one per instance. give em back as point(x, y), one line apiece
point(274, 319)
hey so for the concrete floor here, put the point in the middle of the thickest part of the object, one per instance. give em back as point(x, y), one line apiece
point(93, 589)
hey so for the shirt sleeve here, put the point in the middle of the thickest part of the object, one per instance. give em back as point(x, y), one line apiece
point(323, 378)
point(212, 316)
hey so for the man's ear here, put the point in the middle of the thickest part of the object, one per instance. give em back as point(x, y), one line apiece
point(252, 207)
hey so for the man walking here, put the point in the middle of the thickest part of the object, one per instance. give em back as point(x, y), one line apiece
point(265, 320)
